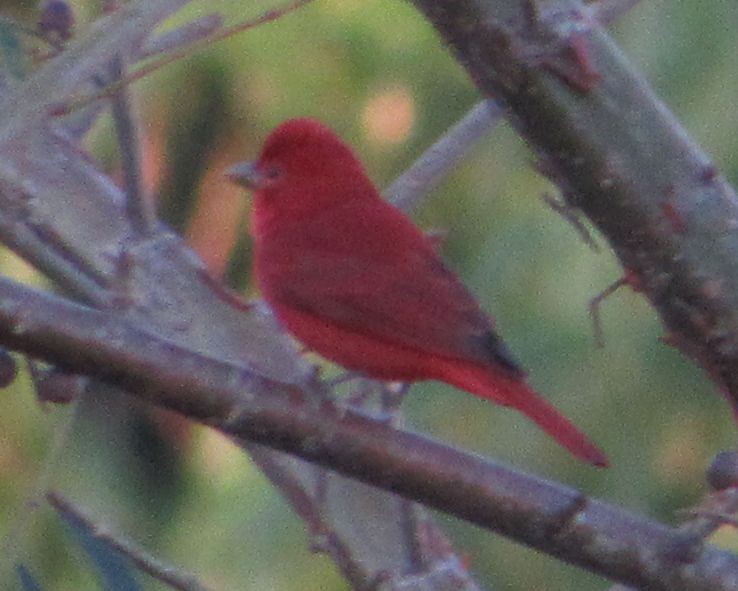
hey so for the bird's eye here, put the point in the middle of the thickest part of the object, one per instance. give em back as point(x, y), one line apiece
point(272, 173)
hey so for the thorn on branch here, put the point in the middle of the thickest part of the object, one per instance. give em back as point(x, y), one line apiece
point(630, 279)
point(594, 310)
point(571, 215)
point(573, 63)
point(562, 45)
point(566, 520)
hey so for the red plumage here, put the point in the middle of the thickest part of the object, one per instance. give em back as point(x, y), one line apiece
point(353, 279)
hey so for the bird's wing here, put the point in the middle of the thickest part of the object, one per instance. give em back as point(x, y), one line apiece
point(396, 290)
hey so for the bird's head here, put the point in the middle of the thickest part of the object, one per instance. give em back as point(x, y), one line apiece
point(303, 166)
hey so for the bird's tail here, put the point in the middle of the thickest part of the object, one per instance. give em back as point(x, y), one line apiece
point(515, 392)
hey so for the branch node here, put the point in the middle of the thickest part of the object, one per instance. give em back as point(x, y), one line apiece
point(566, 521)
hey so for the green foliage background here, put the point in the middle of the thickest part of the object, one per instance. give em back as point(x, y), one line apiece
point(193, 499)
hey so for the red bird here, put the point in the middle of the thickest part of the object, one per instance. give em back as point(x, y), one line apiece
point(353, 279)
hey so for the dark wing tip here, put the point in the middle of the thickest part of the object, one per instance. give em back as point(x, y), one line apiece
point(500, 354)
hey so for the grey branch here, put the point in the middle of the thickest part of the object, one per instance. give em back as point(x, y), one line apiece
point(436, 162)
point(550, 517)
point(140, 208)
point(618, 154)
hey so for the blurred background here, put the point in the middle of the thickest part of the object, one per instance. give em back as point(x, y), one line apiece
point(377, 73)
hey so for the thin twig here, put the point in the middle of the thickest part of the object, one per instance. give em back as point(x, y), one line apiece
point(140, 209)
point(47, 255)
point(183, 36)
point(569, 214)
point(142, 72)
point(407, 191)
point(309, 508)
point(594, 310)
point(172, 576)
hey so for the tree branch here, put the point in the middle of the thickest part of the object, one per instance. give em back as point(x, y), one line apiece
point(435, 163)
point(172, 576)
point(552, 518)
point(618, 154)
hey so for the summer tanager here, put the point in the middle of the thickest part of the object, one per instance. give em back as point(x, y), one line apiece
point(353, 279)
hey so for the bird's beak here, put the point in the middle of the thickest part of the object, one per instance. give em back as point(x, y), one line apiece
point(246, 174)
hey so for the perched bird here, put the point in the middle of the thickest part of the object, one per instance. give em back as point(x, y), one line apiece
point(353, 279)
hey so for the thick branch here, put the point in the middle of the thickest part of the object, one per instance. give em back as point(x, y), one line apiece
point(618, 154)
point(552, 518)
